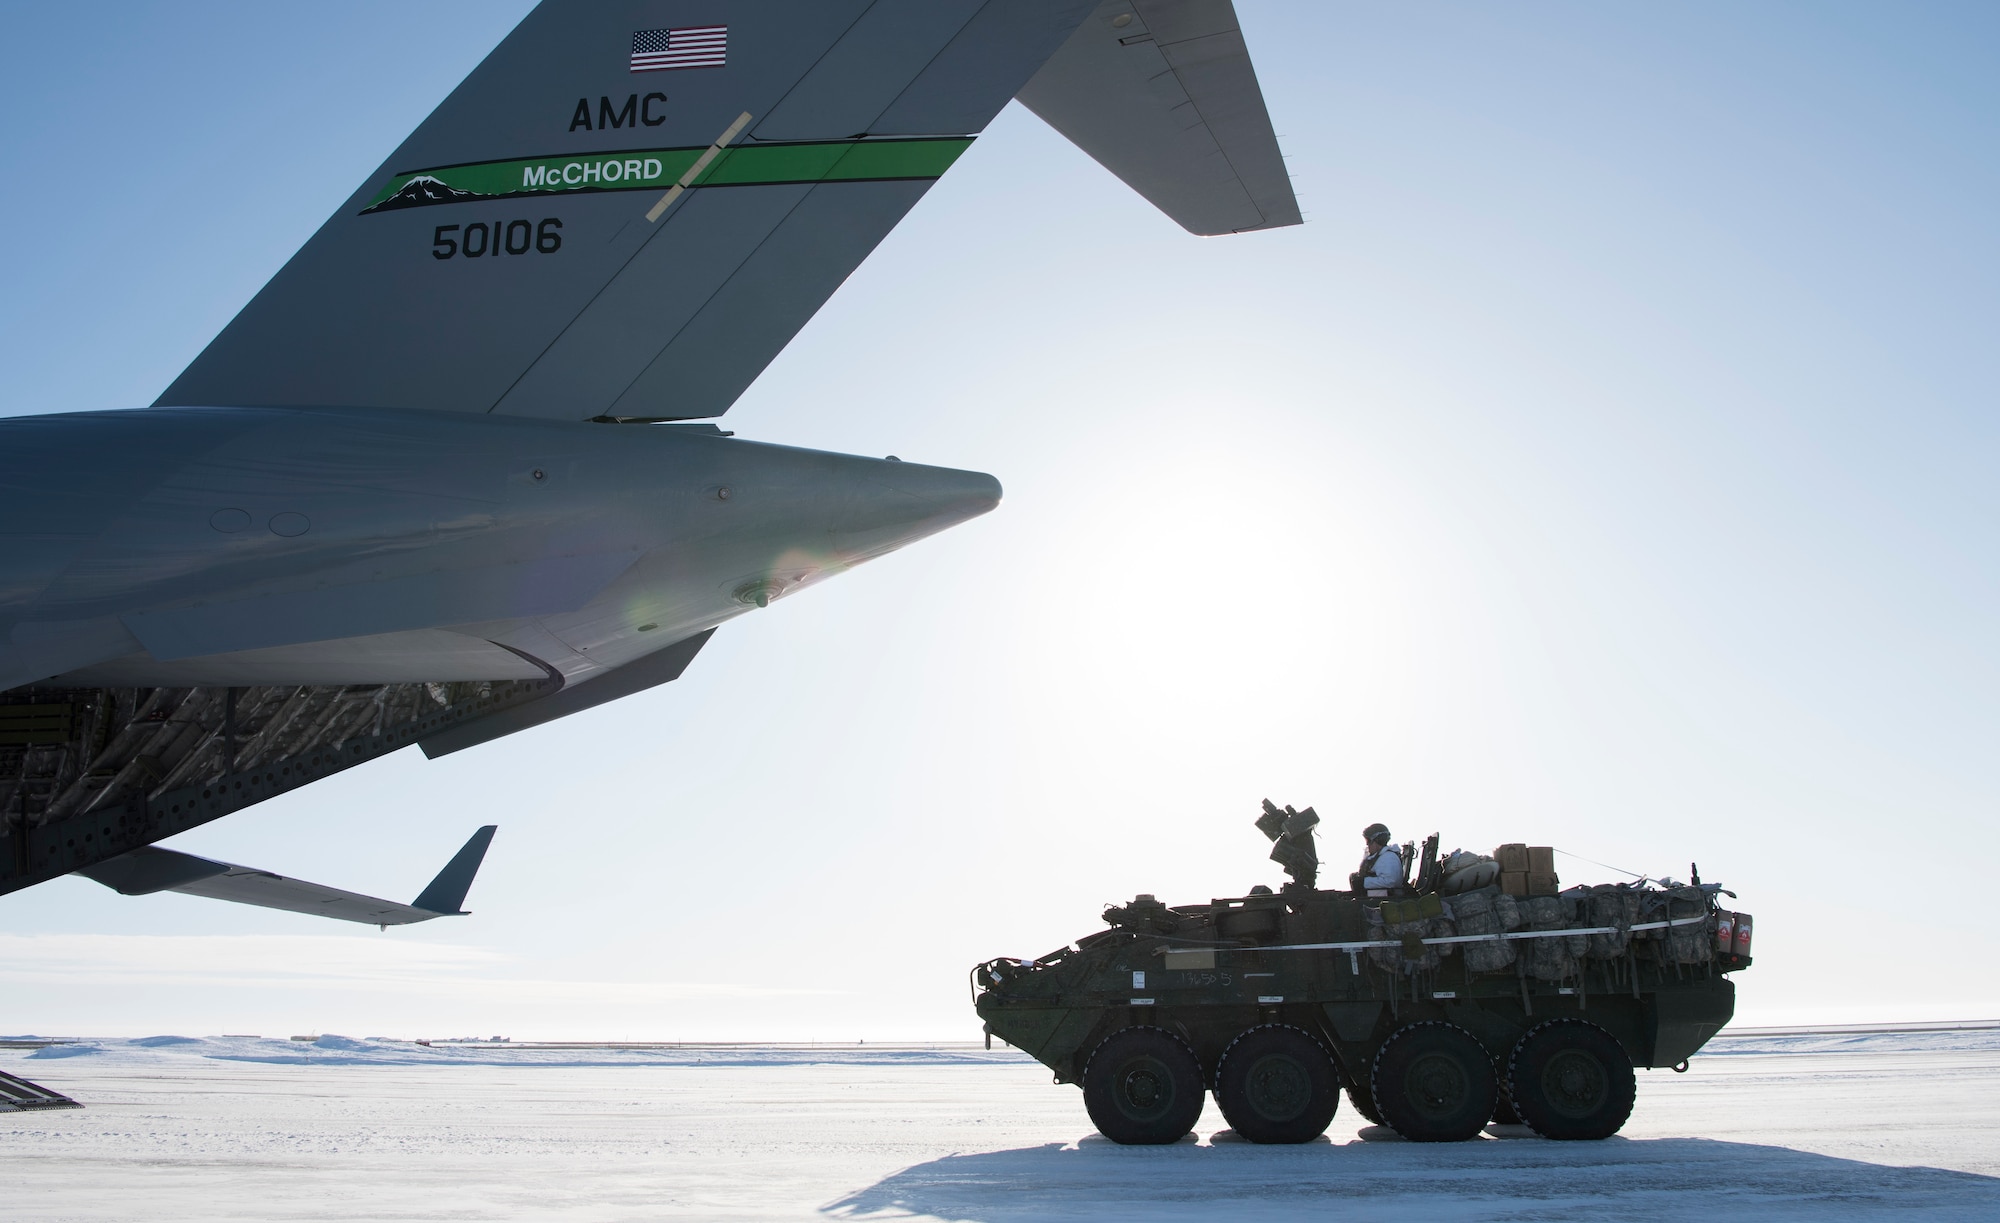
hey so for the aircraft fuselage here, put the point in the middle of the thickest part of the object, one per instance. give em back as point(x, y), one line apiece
point(236, 546)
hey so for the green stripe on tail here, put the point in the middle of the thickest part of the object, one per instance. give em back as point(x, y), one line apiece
point(659, 169)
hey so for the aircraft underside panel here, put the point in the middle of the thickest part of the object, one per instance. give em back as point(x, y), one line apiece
point(87, 774)
point(424, 655)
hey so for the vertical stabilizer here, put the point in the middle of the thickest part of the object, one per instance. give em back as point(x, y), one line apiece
point(628, 209)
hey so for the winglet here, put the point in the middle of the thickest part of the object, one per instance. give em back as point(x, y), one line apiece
point(153, 869)
point(448, 890)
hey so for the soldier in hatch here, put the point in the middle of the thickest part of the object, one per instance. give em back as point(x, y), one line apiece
point(1382, 869)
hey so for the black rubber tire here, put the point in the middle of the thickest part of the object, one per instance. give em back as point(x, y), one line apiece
point(1357, 1095)
point(1570, 1079)
point(1433, 1082)
point(1277, 1084)
point(1503, 1107)
point(1142, 1088)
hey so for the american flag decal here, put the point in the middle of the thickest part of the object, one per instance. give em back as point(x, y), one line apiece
point(701, 46)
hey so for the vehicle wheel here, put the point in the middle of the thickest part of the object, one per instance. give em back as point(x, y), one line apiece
point(1433, 1082)
point(1571, 1079)
point(1142, 1087)
point(1503, 1107)
point(1357, 1095)
point(1276, 1084)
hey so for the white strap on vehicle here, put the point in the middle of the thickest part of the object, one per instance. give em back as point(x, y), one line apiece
point(1354, 950)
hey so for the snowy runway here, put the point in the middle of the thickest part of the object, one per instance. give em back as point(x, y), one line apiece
point(1827, 1129)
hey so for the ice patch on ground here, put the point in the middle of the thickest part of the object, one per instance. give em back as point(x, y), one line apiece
point(336, 1050)
point(1972, 1040)
point(1629, 1179)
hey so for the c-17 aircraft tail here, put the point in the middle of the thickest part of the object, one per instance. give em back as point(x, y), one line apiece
point(627, 210)
point(407, 496)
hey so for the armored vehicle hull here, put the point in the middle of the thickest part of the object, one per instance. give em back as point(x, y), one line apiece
point(1434, 1014)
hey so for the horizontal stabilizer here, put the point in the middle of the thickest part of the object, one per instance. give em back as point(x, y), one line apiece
point(660, 667)
point(1162, 93)
point(151, 869)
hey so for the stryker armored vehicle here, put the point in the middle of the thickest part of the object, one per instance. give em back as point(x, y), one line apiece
point(1437, 1006)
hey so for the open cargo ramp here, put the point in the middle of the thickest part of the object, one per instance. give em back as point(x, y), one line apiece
point(18, 1095)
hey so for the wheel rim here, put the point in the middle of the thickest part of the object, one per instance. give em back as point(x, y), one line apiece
point(1145, 1089)
point(1574, 1083)
point(1278, 1087)
point(1436, 1086)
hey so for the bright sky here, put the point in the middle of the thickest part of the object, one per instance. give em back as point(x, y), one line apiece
point(1608, 463)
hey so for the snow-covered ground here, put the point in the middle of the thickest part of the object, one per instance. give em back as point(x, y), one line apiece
point(1792, 1127)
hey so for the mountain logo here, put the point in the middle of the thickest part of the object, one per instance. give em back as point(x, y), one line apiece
point(421, 190)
